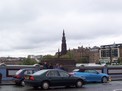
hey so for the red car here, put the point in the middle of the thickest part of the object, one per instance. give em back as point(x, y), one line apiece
point(19, 76)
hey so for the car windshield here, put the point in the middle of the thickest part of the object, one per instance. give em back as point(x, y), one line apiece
point(19, 72)
point(78, 70)
point(75, 70)
point(40, 72)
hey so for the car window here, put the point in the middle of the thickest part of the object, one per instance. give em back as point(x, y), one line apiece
point(52, 73)
point(63, 74)
point(81, 70)
point(91, 71)
point(28, 72)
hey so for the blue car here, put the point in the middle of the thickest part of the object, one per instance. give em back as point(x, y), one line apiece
point(91, 75)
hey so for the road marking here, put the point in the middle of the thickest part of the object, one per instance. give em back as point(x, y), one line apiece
point(117, 90)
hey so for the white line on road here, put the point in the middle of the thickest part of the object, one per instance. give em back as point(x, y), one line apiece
point(117, 90)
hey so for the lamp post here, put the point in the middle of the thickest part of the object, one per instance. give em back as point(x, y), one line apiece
point(110, 49)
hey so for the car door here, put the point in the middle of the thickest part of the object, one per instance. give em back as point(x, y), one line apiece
point(66, 78)
point(54, 78)
point(92, 75)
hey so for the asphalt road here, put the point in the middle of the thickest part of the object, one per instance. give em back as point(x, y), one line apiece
point(111, 86)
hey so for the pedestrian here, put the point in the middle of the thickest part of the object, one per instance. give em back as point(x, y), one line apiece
point(50, 66)
point(61, 67)
point(57, 66)
point(45, 65)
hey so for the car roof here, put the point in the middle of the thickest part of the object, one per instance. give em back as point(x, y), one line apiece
point(46, 70)
point(28, 69)
point(52, 69)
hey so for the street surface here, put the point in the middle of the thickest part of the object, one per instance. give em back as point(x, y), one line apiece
point(111, 86)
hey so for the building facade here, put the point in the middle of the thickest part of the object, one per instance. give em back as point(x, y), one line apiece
point(110, 53)
point(86, 55)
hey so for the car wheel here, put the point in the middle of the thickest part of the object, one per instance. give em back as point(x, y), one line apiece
point(104, 80)
point(45, 85)
point(79, 83)
point(23, 83)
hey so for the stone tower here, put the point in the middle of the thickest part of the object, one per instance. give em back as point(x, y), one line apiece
point(63, 45)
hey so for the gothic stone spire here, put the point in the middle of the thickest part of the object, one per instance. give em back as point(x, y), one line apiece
point(63, 45)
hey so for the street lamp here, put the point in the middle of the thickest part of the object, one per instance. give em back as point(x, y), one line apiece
point(110, 49)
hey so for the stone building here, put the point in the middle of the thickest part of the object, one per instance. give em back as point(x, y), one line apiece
point(94, 55)
point(90, 55)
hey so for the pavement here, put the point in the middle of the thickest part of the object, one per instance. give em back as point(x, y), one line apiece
point(7, 82)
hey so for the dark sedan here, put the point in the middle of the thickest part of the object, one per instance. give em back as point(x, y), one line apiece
point(52, 77)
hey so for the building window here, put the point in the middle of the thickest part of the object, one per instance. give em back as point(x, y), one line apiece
point(114, 52)
point(109, 52)
point(105, 53)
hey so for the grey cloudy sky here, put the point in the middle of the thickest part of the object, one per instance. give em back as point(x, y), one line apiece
point(34, 27)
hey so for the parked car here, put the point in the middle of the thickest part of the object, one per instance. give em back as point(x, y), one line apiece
point(47, 78)
point(19, 76)
point(91, 75)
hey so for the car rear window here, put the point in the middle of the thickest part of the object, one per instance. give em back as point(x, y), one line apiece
point(26, 71)
point(18, 72)
point(75, 70)
point(79, 70)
